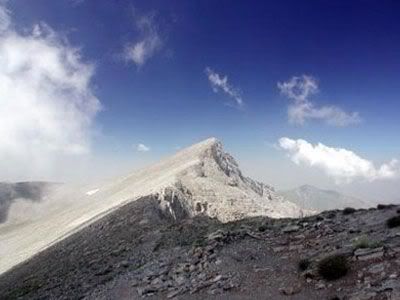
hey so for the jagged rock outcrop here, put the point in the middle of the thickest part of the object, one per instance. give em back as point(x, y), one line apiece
point(200, 180)
point(214, 185)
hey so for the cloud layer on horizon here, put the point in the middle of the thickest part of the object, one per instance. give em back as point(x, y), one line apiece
point(344, 166)
point(47, 103)
point(299, 89)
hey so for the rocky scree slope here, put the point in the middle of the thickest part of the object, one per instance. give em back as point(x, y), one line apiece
point(141, 251)
point(199, 180)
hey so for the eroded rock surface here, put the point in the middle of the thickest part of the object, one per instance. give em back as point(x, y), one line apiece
point(200, 180)
point(141, 251)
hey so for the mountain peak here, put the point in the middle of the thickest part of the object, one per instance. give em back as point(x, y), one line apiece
point(202, 179)
point(200, 147)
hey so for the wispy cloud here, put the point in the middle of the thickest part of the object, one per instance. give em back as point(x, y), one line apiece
point(47, 103)
point(341, 164)
point(5, 20)
point(142, 148)
point(299, 90)
point(220, 83)
point(148, 44)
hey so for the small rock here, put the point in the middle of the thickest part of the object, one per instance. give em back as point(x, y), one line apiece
point(279, 249)
point(174, 293)
point(217, 278)
point(320, 286)
point(291, 228)
point(292, 290)
point(146, 291)
point(375, 269)
point(367, 254)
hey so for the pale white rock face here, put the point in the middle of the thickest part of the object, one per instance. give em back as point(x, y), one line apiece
point(201, 179)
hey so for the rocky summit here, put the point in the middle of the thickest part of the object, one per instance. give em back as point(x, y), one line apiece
point(200, 180)
point(194, 227)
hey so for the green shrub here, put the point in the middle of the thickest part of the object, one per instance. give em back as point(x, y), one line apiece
point(393, 222)
point(331, 215)
point(333, 267)
point(304, 264)
point(263, 228)
point(349, 210)
point(384, 206)
point(364, 242)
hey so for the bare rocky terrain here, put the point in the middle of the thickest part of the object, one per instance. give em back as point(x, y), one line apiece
point(202, 179)
point(142, 251)
point(194, 227)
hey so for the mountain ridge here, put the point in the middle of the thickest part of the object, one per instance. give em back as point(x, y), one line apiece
point(200, 180)
point(314, 198)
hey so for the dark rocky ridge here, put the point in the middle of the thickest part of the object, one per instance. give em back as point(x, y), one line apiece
point(141, 250)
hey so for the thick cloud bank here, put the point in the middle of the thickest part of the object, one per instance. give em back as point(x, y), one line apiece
point(341, 164)
point(47, 104)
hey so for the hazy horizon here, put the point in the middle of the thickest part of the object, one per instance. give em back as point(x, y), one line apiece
point(96, 89)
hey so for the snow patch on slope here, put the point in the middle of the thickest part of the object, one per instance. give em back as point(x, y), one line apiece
point(92, 192)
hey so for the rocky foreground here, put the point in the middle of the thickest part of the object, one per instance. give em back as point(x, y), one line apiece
point(140, 251)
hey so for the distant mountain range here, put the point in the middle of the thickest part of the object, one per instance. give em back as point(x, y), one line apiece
point(312, 198)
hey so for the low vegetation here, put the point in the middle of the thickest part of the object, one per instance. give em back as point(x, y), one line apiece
point(349, 210)
point(304, 264)
point(333, 267)
point(263, 228)
point(363, 242)
point(331, 215)
point(393, 222)
point(384, 206)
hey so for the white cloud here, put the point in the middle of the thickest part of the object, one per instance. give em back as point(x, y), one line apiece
point(149, 43)
point(341, 164)
point(219, 82)
point(142, 148)
point(5, 20)
point(299, 90)
point(47, 104)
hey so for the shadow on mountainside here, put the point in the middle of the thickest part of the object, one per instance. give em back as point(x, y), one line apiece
point(10, 192)
point(140, 251)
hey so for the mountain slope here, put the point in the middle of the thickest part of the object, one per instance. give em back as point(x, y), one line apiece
point(141, 251)
point(312, 198)
point(201, 179)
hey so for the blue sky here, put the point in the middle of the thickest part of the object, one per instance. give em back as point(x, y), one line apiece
point(162, 96)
